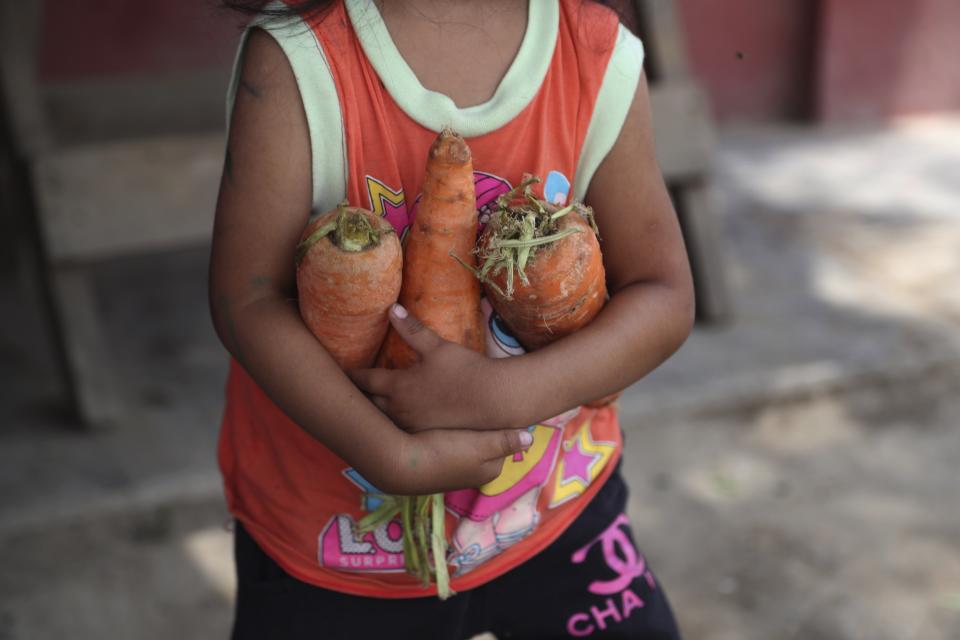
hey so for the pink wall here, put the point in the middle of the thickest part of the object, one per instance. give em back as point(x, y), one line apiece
point(881, 59)
point(83, 38)
point(841, 59)
point(123, 36)
point(770, 79)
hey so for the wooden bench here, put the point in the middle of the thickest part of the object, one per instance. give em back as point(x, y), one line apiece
point(685, 140)
point(96, 201)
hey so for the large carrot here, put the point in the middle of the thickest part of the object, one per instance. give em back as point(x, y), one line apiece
point(445, 298)
point(349, 266)
point(435, 289)
point(542, 268)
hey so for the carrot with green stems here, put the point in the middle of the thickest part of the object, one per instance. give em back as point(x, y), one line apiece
point(446, 299)
point(349, 265)
point(541, 267)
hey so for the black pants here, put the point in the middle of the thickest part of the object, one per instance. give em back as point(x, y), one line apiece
point(591, 582)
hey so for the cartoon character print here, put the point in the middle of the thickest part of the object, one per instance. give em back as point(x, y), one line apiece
point(488, 188)
point(339, 546)
point(556, 188)
point(391, 203)
point(502, 512)
point(388, 203)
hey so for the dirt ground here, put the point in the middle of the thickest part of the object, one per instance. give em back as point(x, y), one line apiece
point(834, 517)
point(792, 472)
point(831, 517)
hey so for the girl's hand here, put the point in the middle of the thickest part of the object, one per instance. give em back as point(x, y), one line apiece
point(451, 387)
point(450, 459)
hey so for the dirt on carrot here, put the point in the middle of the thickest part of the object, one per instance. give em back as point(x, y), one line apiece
point(541, 267)
point(349, 266)
point(435, 288)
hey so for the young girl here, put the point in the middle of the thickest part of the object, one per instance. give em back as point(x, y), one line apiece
point(337, 101)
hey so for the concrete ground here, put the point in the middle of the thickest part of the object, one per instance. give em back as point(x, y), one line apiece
point(792, 472)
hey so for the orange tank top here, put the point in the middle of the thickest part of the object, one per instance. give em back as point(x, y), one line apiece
point(297, 499)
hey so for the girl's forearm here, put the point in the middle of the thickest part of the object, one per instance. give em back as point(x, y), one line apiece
point(641, 326)
point(270, 341)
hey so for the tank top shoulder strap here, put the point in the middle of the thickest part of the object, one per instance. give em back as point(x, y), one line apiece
point(609, 63)
point(299, 40)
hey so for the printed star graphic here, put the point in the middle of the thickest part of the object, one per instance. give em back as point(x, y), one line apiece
point(576, 463)
point(386, 202)
point(580, 463)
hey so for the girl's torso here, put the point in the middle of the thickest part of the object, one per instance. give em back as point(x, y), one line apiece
point(555, 111)
point(459, 49)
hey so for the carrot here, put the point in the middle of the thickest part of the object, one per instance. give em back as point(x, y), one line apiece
point(542, 268)
point(349, 266)
point(435, 290)
point(447, 299)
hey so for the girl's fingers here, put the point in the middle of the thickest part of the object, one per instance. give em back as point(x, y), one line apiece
point(415, 333)
point(380, 402)
point(374, 382)
point(497, 445)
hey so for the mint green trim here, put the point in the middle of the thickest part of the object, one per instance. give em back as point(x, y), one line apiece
point(613, 102)
point(321, 104)
point(435, 110)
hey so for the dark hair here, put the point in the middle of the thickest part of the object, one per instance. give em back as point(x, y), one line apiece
point(259, 7)
point(314, 8)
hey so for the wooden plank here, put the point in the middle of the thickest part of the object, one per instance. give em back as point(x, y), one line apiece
point(19, 38)
point(93, 386)
point(130, 107)
point(105, 201)
point(705, 249)
point(684, 136)
point(663, 36)
point(685, 139)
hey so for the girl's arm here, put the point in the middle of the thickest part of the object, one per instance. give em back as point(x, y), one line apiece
point(265, 199)
point(651, 308)
point(648, 317)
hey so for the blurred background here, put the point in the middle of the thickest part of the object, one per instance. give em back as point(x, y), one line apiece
point(792, 466)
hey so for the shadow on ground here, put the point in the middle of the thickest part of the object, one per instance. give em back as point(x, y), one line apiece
point(791, 471)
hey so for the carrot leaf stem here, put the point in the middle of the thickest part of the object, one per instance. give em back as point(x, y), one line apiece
point(354, 232)
point(428, 570)
point(463, 264)
point(503, 202)
point(528, 193)
point(438, 540)
point(319, 234)
point(517, 228)
point(409, 545)
point(389, 508)
point(534, 242)
point(350, 231)
point(562, 212)
point(528, 228)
